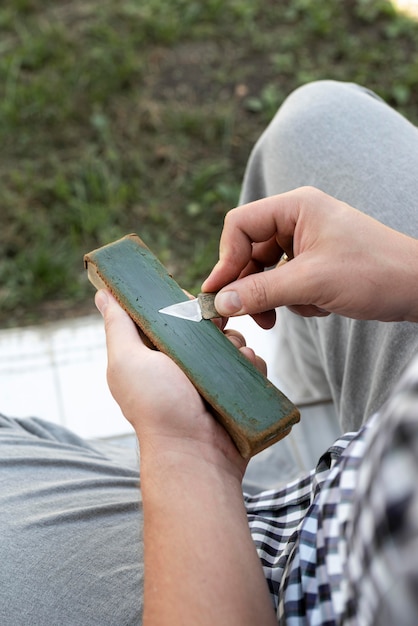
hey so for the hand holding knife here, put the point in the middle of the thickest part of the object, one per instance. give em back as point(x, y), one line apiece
point(202, 307)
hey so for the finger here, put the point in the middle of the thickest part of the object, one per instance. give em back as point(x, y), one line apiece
point(256, 360)
point(235, 337)
point(121, 332)
point(261, 365)
point(264, 255)
point(255, 223)
point(220, 322)
point(265, 320)
point(239, 341)
point(267, 253)
point(292, 284)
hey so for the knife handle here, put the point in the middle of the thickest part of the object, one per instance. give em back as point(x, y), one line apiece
point(207, 305)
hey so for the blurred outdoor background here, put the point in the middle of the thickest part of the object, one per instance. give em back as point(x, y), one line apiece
point(121, 116)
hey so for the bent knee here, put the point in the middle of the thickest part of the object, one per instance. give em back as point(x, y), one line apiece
point(313, 113)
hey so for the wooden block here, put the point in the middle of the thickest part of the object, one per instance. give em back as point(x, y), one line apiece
point(253, 411)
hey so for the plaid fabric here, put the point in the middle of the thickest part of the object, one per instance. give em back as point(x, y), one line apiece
point(340, 545)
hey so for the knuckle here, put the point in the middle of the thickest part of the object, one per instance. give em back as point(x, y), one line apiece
point(310, 190)
point(258, 292)
point(229, 218)
point(311, 196)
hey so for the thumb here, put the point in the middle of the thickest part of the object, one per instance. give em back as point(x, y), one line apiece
point(255, 293)
point(121, 332)
point(286, 285)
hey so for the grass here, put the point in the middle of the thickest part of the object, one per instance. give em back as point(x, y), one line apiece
point(138, 116)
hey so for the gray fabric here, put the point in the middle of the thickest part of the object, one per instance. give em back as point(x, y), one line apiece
point(70, 530)
point(349, 143)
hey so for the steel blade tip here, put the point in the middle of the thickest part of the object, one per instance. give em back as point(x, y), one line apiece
point(188, 310)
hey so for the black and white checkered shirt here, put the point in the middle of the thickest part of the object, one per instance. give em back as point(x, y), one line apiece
point(340, 545)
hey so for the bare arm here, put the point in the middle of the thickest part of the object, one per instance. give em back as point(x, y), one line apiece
point(201, 566)
point(342, 261)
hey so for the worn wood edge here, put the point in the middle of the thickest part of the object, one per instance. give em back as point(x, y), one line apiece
point(99, 281)
point(248, 443)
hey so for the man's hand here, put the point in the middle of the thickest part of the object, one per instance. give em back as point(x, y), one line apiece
point(342, 261)
point(201, 565)
point(156, 397)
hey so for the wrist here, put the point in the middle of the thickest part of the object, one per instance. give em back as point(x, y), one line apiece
point(408, 282)
point(166, 457)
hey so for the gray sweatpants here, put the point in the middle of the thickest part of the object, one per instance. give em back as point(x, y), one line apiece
point(347, 142)
point(70, 515)
point(70, 530)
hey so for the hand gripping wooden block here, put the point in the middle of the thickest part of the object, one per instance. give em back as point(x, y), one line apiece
point(253, 411)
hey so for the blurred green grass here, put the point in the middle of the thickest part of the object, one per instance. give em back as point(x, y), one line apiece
point(138, 116)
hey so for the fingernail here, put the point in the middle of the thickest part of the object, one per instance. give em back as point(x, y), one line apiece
point(101, 300)
point(227, 303)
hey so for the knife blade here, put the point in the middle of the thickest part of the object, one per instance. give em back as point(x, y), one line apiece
point(195, 310)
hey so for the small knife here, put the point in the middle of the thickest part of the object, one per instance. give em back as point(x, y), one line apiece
point(202, 307)
point(195, 310)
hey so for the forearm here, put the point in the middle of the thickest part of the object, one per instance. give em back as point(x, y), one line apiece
point(201, 566)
